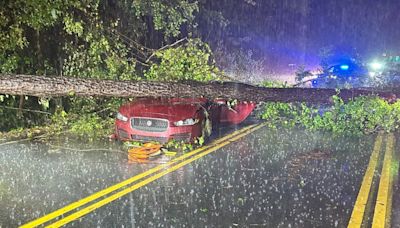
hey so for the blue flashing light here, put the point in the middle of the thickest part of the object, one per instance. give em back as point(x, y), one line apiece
point(344, 67)
point(314, 82)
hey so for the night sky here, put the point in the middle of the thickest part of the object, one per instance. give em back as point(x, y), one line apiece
point(295, 31)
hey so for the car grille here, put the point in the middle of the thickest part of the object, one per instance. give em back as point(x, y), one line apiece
point(149, 138)
point(149, 124)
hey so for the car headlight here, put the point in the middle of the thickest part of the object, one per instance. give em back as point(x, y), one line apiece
point(186, 122)
point(122, 117)
point(377, 66)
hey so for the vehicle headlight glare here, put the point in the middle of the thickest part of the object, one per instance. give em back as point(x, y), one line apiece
point(376, 66)
point(122, 117)
point(186, 122)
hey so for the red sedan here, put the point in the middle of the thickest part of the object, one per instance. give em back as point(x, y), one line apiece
point(181, 119)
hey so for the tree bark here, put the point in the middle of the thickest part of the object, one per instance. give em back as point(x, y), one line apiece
point(45, 86)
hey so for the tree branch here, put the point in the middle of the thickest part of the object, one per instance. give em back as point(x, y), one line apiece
point(165, 47)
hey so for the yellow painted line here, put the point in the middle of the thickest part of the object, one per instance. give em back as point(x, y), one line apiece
point(394, 177)
point(122, 184)
point(357, 215)
point(382, 209)
point(146, 181)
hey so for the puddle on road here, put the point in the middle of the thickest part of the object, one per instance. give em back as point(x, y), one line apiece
point(269, 179)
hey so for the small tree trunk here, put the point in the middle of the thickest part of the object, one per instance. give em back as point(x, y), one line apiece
point(20, 105)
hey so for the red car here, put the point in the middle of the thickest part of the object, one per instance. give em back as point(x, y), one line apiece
point(181, 119)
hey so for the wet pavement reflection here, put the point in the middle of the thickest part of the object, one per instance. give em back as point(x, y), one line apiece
point(36, 179)
point(270, 178)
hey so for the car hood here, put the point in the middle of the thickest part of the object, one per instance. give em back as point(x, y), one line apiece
point(172, 111)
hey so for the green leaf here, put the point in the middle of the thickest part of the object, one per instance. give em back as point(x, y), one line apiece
point(54, 14)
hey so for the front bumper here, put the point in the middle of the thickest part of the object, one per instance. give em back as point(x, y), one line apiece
point(126, 132)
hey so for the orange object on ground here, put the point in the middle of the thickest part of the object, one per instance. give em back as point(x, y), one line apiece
point(144, 152)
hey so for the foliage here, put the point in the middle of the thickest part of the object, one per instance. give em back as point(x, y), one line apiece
point(12, 120)
point(21, 23)
point(360, 116)
point(170, 145)
point(91, 126)
point(179, 145)
point(88, 118)
point(167, 16)
point(88, 126)
point(12, 116)
point(191, 61)
point(102, 106)
point(231, 103)
point(274, 84)
point(94, 54)
point(129, 144)
point(301, 74)
point(78, 47)
point(89, 39)
point(54, 127)
point(16, 15)
point(85, 36)
point(200, 141)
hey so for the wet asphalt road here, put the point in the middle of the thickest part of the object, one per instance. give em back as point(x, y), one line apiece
point(270, 178)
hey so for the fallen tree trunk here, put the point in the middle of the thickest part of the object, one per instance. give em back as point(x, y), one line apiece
point(45, 86)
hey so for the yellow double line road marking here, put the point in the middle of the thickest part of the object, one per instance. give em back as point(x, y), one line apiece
point(357, 216)
point(198, 153)
point(382, 208)
point(117, 195)
point(383, 205)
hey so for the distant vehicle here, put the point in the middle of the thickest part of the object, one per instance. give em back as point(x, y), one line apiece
point(180, 119)
point(385, 72)
point(341, 75)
